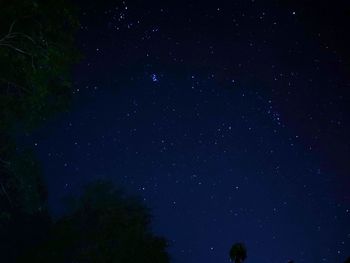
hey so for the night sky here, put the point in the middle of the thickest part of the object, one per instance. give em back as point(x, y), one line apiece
point(229, 119)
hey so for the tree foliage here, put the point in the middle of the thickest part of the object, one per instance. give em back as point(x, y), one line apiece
point(36, 54)
point(24, 217)
point(103, 226)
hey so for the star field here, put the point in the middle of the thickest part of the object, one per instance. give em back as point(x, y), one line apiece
point(229, 120)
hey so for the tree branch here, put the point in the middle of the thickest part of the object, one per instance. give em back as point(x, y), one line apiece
point(12, 25)
point(15, 85)
point(15, 48)
point(20, 51)
point(6, 194)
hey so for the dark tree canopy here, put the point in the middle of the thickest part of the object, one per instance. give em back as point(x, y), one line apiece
point(36, 54)
point(103, 226)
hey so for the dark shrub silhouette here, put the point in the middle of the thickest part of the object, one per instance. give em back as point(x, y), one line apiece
point(238, 252)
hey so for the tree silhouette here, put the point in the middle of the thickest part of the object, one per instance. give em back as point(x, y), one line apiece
point(103, 226)
point(36, 54)
point(24, 217)
point(238, 252)
point(347, 260)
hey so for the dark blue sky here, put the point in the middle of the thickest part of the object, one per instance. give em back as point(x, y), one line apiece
point(230, 120)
